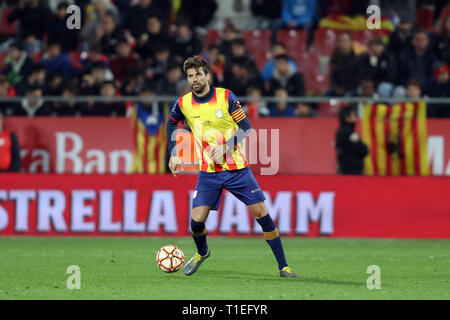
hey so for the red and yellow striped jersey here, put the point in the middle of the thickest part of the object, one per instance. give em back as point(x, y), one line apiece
point(213, 120)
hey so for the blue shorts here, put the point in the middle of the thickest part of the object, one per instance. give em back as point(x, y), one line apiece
point(241, 183)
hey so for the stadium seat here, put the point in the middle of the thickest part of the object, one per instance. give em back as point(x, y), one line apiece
point(212, 37)
point(325, 40)
point(75, 59)
point(294, 40)
point(444, 13)
point(5, 27)
point(425, 17)
point(330, 109)
point(257, 43)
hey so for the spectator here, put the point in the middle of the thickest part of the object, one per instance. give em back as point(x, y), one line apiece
point(400, 39)
point(443, 43)
point(123, 60)
point(33, 17)
point(186, 43)
point(17, 64)
point(93, 80)
point(134, 83)
point(68, 107)
point(255, 108)
point(157, 69)
point(55, 60)
point(197, 12)
point(36, 78)
point(154, 108)
point(400, 9)
point(380, 66)
point(285, 76)
point(144, 9)
point(349, 147)
point(343, 63)
point(94, 14)
point(413, 89)
point(238, 51)
point(439, 87)
point(109, 107)
point(297, 14)
point(304, 110)
point(33, 104)
point(367, 88)
point(6, 91)
point(87, 59)
point(172, 82)
point(9, 150)
point(154, 36)
point(281, 108)
point(58, 30)
point(265, 10)
point(417, 62)
point(109, 34)
point(216, 64)
point(242, 77)
point(276, 49)
point(229, 34)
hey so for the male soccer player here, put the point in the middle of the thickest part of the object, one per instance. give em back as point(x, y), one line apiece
point(214, 116)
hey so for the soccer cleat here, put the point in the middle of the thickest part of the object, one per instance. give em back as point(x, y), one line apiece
point(287, 272)
point(192, 266)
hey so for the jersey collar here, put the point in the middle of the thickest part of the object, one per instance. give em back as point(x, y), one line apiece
point(205, 98)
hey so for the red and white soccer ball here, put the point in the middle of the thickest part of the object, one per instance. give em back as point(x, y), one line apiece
point(170, 258)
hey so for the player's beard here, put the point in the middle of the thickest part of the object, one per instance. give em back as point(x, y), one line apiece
point(200, 88)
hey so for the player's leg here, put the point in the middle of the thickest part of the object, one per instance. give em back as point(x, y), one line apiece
point(198, 228)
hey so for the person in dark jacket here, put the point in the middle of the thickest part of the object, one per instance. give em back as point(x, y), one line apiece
point(285, 76)
point(17, 64)
point(439, 87)
point(9, 150)
point(349, 147)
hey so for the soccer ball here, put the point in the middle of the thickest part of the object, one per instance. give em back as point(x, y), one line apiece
point(170, 258)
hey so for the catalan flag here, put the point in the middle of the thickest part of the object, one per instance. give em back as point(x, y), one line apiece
point(397, 139)
point(150, 139)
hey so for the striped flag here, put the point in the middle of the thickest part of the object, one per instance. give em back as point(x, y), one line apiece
point(150, 140)
point(397, 139)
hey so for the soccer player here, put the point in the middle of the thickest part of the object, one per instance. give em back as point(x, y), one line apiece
point(215, 117)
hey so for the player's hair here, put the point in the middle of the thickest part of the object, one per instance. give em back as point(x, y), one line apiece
point(196, 62)
point(345, 112)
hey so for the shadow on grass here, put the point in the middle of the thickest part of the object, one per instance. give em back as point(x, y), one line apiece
point(224, 275)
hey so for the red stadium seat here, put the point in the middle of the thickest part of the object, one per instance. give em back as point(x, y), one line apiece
point(294, 40)
point(212, 37)
point(325, 40)
point(257, 43)
point(330, 109)
point(425, 17)
point(75, 59)
point(5, 27)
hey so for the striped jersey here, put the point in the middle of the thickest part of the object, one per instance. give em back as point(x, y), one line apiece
point(213, 120)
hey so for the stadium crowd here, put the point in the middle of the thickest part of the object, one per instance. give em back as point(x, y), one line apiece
point(137, 47)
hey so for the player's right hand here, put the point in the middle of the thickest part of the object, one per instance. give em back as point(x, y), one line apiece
point(175, 165)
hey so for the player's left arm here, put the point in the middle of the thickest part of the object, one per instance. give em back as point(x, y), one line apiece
point(238, 115)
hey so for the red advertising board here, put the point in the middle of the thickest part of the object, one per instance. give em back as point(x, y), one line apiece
point(159, 205)
point(105, 145)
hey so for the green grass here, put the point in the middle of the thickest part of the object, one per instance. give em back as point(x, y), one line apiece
point(239, 268)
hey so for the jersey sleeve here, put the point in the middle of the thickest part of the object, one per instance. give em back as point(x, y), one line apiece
point(175, 113)
point(235, 108)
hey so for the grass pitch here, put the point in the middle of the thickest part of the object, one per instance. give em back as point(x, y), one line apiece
point(239, 268)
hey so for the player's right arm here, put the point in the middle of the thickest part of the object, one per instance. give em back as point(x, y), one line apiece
point(175, 116)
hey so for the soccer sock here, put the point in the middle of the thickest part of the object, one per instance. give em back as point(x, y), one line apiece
point(273, 239)
point(199, 235)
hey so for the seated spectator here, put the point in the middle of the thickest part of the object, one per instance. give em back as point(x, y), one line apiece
point(242, 77)
point(17, 64)
point(281, 108)
point(6, 91)
point(266, 11)
point(216, 63)
point(33, 104)
point(109, 34)
point(238, 51)
point(33, 16)
point(147, 103)
point(343, 64)
point(57, 29)
point(92, 81)
point(197, 13)
point(297, 14)
point(94, 14)
point(400, 39)
point(123, 60)
point(380, 66)
point(154, 36)
point(53, 84)
point(172, 82)
point(413, 89)
point(417, 62)
point(255, 108)
point(186, 43)
point(229, 34)
point(55, 60)
point(140, 12)
point(285, 76)
point(439, 87)
point(443, 43)
point(110, 107)
point(157, 68)
point(367, 88)
point(10, 160)
point(87, 58)
point(304, 110)
point(350, 150)
point(134, 83)
point(276, 49)
point(35, 78)
point(68, 107)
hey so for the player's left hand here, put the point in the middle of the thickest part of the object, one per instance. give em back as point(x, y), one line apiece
point(218, 152)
